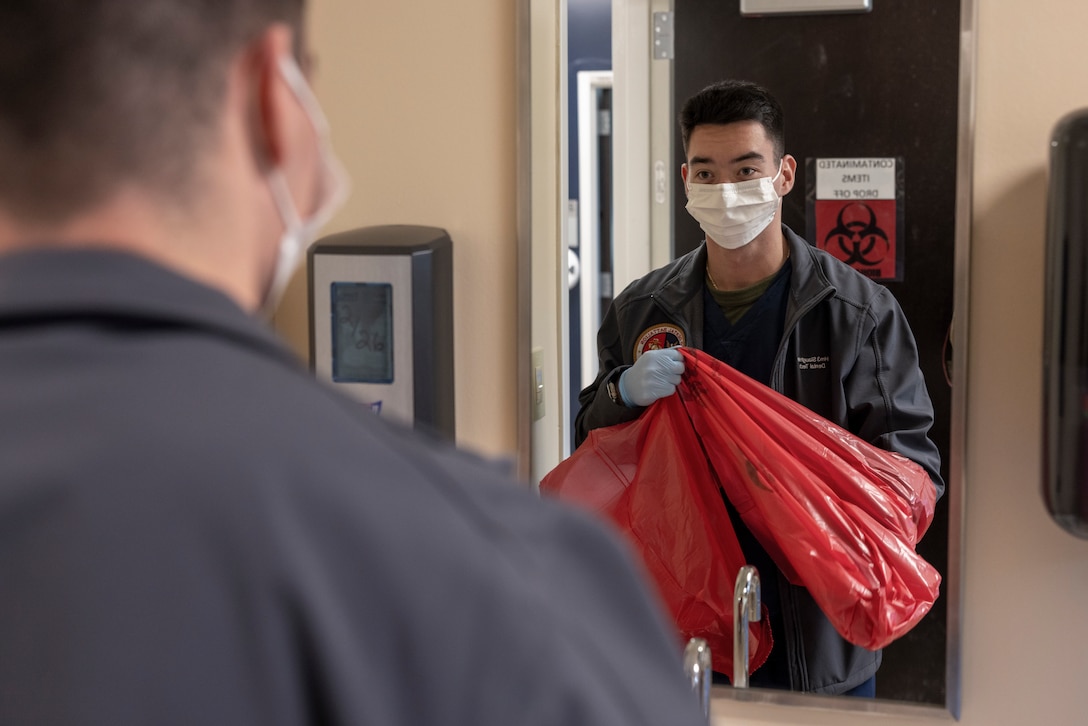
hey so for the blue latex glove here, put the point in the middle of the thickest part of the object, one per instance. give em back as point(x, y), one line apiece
point(654, 375)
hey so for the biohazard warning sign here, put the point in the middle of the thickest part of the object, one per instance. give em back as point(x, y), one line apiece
point(855, 212)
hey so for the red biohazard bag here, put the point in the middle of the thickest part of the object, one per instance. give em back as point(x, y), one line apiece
point(650, 478)
point(838, 515)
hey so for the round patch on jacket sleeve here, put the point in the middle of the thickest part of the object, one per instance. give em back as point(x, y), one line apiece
point(657, 337)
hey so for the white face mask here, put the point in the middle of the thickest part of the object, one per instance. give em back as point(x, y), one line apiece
point(734, 214)
point(298, 233)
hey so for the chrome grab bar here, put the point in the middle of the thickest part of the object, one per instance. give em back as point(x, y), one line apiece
point(745, 610)
point(697, 669)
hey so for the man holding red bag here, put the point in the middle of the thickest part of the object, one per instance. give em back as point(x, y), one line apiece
point(758, 297)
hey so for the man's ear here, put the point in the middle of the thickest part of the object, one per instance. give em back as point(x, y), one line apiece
point(789, 173)
point(684, 177)
point(273, 102)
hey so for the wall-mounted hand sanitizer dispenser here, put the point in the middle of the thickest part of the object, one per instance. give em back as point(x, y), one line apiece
point(1065, 349)
point(381, 320)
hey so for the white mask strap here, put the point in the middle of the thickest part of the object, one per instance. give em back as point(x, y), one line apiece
point(333, 190)
point(781, 163)
point(281, 195)
point(293, 75)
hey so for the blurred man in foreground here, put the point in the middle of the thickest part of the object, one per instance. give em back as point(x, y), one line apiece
point(192, 530)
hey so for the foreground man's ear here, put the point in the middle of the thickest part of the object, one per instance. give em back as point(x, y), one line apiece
point(278, 121)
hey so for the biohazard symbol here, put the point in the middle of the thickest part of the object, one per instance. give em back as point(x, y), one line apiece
point(856, 237)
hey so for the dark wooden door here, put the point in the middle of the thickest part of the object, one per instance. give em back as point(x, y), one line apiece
point(878, 84)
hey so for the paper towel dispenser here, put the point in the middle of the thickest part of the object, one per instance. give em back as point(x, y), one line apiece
point(1065, 346)
point(381, 320)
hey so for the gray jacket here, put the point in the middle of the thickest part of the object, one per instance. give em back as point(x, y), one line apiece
point(847, 353)
point(194, 531)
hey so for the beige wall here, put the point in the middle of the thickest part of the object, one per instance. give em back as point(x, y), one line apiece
point(421, 96)
point(1031, 72)
point(421, 99)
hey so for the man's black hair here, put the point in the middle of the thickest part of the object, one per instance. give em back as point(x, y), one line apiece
point(731, 101)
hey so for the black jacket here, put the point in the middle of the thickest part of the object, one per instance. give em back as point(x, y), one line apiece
point(847, 353)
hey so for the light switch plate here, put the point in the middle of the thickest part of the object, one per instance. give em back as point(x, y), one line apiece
point(538, 383)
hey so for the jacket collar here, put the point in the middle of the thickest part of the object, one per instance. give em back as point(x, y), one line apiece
point(808, 280)
point(49, 286)
point(684, 282)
